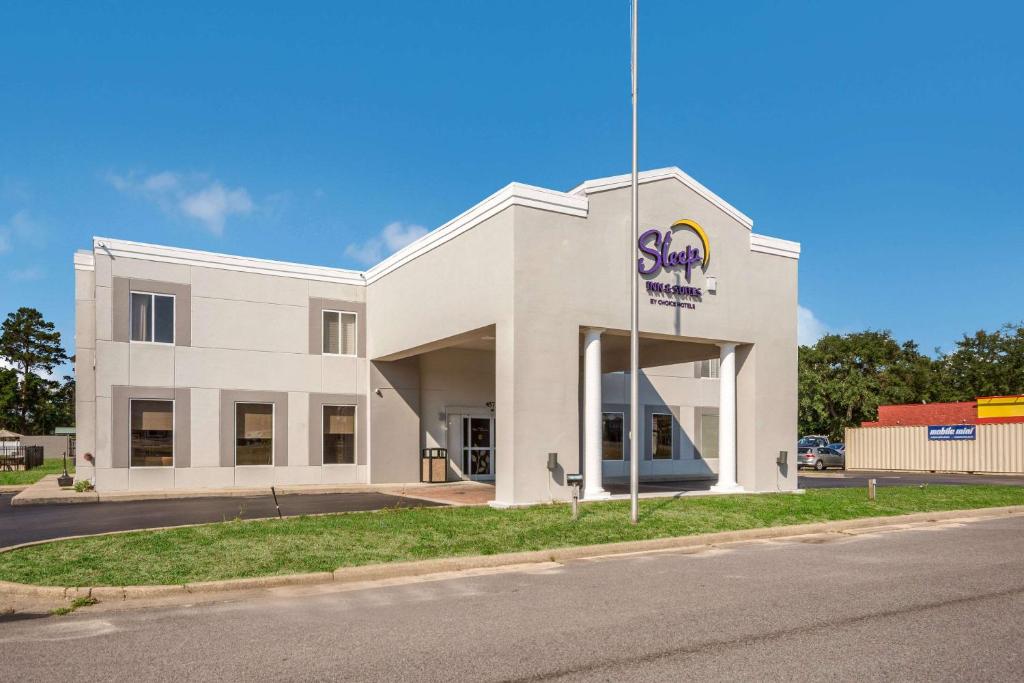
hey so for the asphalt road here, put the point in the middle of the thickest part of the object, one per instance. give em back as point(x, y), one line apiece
point(859, 478)
point(931, 604)
point(25, 523)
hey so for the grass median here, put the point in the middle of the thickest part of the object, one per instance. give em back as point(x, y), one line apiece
point(49, 466)
point(295, 545)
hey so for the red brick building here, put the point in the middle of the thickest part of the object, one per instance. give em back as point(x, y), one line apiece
point(923, 414)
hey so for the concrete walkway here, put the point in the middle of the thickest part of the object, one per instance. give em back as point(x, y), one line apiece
point(46, 492)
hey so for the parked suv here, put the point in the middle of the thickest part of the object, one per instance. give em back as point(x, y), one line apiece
point(819, 457)
point(812, 440)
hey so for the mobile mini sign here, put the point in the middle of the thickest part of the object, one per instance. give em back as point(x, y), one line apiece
point(952, 432)
point(659, 254)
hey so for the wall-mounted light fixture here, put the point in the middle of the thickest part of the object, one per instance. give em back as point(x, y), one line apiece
point(712, 285)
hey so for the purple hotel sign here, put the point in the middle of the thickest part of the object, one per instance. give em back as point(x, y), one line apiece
point(655, 247)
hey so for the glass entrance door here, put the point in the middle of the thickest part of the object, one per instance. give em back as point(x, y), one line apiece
point(478, 447)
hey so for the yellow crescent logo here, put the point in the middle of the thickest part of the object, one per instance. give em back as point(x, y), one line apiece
point(692, 225)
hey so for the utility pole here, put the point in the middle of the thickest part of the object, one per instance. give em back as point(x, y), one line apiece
point(634, 317)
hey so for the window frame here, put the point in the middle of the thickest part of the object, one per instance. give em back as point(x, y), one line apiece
point(622, 445)
point(717, 374)
point(152, 317)
point(355, 435)
point(355, 337)
point(174, 431)
point(273, 430)
point(671, 436)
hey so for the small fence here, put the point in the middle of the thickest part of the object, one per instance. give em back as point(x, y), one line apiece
point(996, 448)
point(18, 457)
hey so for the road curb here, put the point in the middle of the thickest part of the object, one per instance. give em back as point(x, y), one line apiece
point(393, 570)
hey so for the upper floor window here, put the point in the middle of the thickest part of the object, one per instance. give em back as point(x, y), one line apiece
point(152, 318)
point(339, 333)
point(709, 368)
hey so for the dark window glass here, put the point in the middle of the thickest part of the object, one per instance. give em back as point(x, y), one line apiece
point(339, 435)
point(163, 319)
point(661, 436)
point(254, 433)
point(152, 433)
point(611, 436)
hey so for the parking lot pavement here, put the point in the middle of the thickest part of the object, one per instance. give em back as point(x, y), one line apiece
point(929, 603)
point(832, 479)
point(23, 524)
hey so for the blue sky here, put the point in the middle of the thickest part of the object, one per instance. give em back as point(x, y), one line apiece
point(887, 138)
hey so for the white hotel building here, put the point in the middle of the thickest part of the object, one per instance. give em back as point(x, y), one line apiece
point(501, 336)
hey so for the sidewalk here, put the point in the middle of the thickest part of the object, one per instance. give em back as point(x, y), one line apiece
point(46, 492)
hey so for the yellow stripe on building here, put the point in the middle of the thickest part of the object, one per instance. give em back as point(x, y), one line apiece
point(1000, 406)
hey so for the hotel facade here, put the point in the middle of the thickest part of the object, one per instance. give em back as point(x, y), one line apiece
point(501, 337)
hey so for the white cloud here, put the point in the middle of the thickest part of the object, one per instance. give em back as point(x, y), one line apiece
point(214, 203)
point(393, 237)
point(30, 274)
point(808, 328)
point(24, 228)
point(194, 196)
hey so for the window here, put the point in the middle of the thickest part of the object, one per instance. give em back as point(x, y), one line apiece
point(611, 436)
point(661, 436)
point(254, 433)
point(152, 433)
point(709, 435)
point(708, 368)
point(339, 426)
point(339, 333)
point(152, 318)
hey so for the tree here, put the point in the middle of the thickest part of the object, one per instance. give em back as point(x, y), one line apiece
point(31, 345)
point(985, 364)
point(844, 378)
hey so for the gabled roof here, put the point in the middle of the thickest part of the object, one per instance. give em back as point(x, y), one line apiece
point(672, 172)
point(571, 203)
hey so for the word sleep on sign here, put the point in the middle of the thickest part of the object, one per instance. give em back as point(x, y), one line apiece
point(952, 432)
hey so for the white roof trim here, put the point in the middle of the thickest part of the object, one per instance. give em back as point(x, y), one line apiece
point(190, 257)
point(775, 246)
point(620, 181)
point(513, 194)
point(572, 203)
point(84, 260)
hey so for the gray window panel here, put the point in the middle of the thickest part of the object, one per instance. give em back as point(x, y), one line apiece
point(163, 319)
point(709, 435)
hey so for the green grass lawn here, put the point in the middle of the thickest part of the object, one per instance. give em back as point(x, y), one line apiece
point(50, 466)
point(323, 543)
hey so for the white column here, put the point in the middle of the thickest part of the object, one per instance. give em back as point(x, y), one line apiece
point(727, 421)
point(592, 488)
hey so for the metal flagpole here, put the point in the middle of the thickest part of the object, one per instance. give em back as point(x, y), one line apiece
point(634, 340)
